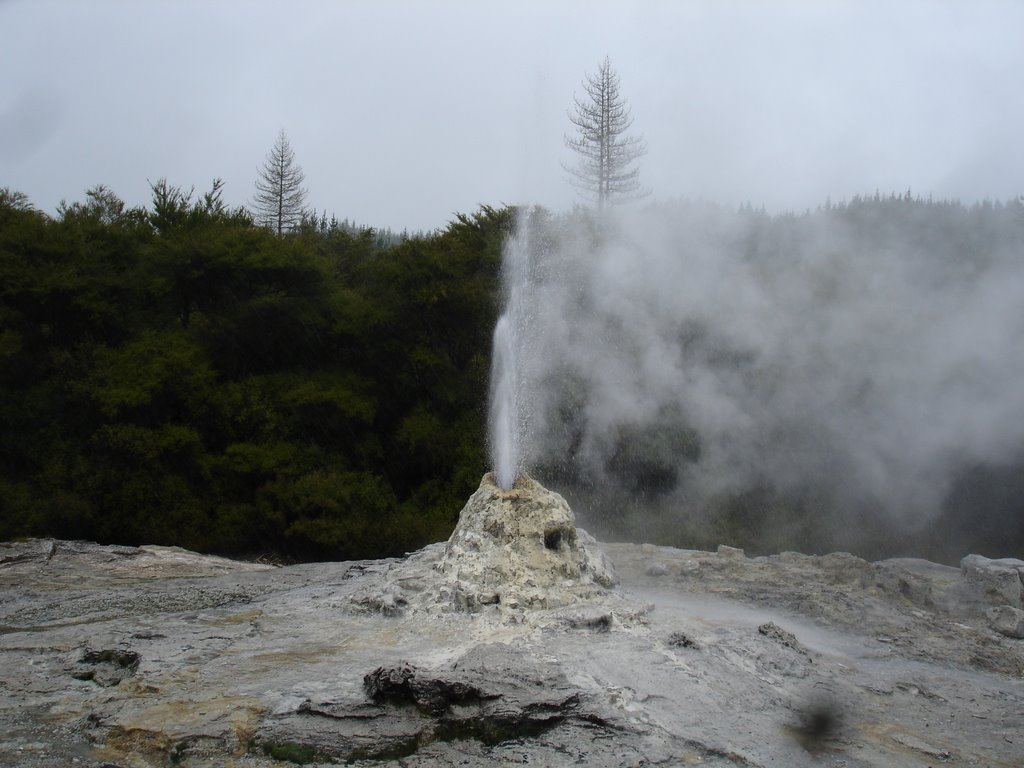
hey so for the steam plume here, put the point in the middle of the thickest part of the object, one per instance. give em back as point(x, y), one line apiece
point(863, 356)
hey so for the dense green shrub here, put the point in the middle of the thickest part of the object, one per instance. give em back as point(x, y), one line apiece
point(181, 376)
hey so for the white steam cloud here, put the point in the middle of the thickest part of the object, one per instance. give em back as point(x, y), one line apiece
point(868, 353)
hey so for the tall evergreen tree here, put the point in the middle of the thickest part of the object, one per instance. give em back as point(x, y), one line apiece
point(605, 170)
point(279, 203)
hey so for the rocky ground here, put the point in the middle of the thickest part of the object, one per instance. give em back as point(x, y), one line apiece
point(519, 642)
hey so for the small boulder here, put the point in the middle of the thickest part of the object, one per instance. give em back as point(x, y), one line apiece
point(404, 683)
point(1007, 621)
point(1001, 580)
point(656, 569)
point(106, 667)
point(727, 551)
point(773, 631)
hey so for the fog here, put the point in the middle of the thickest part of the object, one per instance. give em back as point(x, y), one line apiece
point(848, 369)
point(403, 113)
point(838, 373)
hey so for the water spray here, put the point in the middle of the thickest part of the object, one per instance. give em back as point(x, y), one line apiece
point(509, 416)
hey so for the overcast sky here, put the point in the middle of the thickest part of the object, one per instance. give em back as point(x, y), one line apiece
point(403, 113)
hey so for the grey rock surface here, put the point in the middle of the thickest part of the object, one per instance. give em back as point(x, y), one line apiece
point(1001, 580)
point(1007, 621)
point(144, 657)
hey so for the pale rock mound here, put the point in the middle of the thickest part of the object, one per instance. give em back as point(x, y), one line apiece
point(521, 548)
point(515, 555)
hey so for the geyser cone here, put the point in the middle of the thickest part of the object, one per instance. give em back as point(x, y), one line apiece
point(520, 547)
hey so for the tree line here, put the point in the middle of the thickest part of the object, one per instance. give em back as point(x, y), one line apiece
point(179, 374)
point(255, 380)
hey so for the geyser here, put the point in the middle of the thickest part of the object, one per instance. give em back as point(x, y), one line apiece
point(515, 556)
point(506, 454)
point(519, 548)
point(508, 413)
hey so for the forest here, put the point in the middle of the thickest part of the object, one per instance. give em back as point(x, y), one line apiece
point(178, 374)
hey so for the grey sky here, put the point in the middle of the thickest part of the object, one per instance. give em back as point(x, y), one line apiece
point(404, 113)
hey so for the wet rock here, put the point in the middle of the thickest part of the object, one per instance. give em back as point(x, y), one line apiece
point(308, 664)
point(593, 618)
point(106, 667)
point(727, 551)
point(681, 640)
point(1007, 621)
point(487, 697)
point(897, 579)
point(919, 745)
point(657, 569)
point(786, 639)
point(389, 601)
point(405, 684)
point(1001, 580)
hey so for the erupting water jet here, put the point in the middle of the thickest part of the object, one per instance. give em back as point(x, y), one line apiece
point(504, 437)
point(508, 413)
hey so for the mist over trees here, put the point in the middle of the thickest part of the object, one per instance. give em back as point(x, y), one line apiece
point(605, 170)
point(847, 378)
point(280, 199)
point(840, 379)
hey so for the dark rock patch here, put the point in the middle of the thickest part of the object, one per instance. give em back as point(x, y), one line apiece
point(106, 667)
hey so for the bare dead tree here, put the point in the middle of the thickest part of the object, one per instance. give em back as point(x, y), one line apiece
point(605, 171)
point(280, 198)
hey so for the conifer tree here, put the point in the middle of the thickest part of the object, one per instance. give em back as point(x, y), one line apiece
point(605, 171)
point(279, 203)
